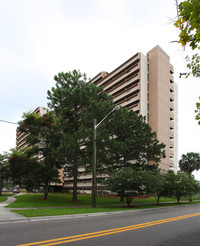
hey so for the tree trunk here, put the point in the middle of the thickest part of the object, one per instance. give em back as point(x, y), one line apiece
point(128, 199)
point(123, 194)
point(75, 174)
point(158, 200)
point(45, 191)
point(122, 197)
point(178, 200)
point(190, 196)
point(1, 186)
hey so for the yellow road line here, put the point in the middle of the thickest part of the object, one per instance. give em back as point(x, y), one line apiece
point(107, 232)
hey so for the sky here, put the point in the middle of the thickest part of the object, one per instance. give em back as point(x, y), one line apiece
point(40, 38)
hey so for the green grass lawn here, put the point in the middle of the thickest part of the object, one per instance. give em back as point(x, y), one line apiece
point(86, 210)
point(58, 200)
point(63, 204)
point(66, 211)
point(64, 200)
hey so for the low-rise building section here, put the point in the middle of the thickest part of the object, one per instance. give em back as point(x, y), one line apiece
point(21, 142)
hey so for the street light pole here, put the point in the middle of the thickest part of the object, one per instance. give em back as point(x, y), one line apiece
point(94, 175)
point(94, 183)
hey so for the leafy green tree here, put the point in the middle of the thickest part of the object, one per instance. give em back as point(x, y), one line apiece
point(188, 22)
point(133, 140)
point(190, 162)
point(24, 170)
point(129, 181)
point(156, 184)
point(44, 140)
point(122, 138)
point(180, 185)
point(197, 111)
point(76, 104)
point(3, 169)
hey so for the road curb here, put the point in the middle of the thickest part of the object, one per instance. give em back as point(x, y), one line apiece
point(76, 216)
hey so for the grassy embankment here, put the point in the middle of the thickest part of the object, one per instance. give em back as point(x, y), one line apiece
point(61, 204)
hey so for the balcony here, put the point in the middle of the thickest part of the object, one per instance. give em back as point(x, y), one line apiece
point(121, 83)
point(122, 77)
point(127, 100)
point(171, 162)
point(171, 97)
point(171, 115)
point(129, 105)
point(125, 92)
point(171, 143)
point(171, 88)
point(171, 124)
point(171, 105)
point(84, 184)
point(123, 69)
point(171, 152)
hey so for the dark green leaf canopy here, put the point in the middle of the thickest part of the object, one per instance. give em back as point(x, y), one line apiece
point(190, 162)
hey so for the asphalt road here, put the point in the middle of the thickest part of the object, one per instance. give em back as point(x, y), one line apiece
point(160, 226)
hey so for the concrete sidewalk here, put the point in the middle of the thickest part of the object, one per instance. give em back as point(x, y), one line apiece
point(6, 214)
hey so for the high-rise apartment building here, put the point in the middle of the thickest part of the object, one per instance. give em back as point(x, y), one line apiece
point(144, 84)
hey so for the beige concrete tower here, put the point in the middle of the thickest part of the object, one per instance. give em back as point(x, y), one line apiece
point(162, 104)
point(145, 84)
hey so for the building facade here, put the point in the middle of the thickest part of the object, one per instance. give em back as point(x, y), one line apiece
point(144, 84)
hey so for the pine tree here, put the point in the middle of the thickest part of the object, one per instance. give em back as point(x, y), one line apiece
point(76, 103)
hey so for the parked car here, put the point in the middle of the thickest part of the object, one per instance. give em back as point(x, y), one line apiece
point(15, 191)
